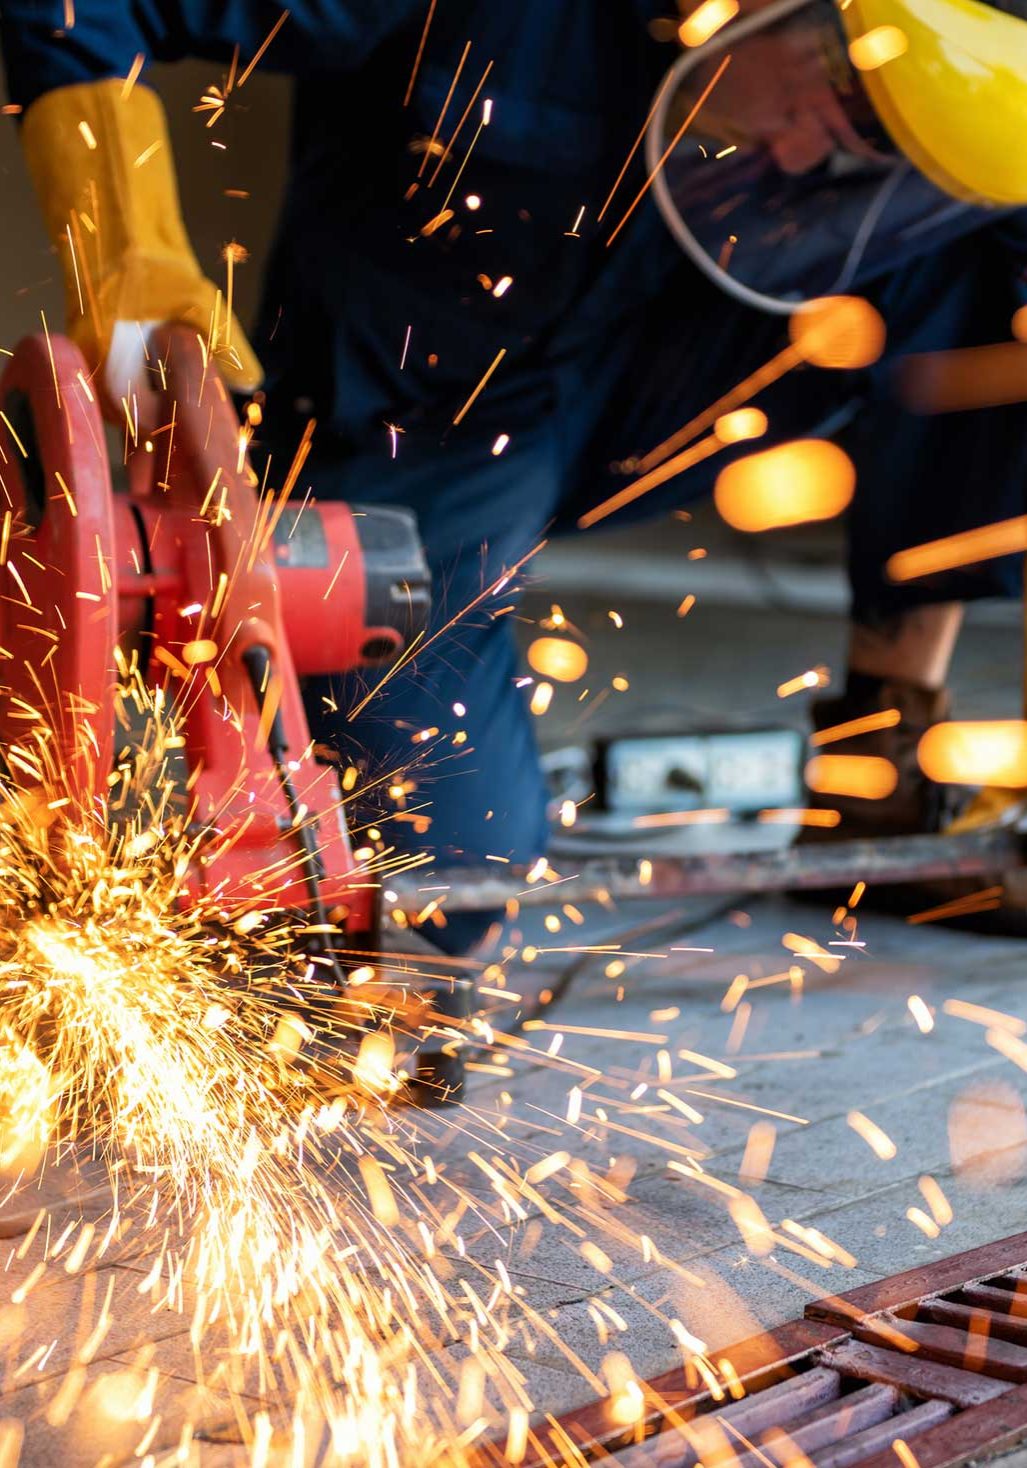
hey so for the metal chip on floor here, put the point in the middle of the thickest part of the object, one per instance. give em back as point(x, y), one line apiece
point(926, 1369)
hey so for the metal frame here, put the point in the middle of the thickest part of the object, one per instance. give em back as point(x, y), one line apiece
point(820, 865)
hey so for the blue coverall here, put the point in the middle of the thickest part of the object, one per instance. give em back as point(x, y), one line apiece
point(606, 350)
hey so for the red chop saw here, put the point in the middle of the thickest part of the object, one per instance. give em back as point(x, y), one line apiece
point(228, 597)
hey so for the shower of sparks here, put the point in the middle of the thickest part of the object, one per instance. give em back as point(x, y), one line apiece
point(308, 1233)
point(332, 1256)
point(432, 147)
point(301, 1227)
point(149, 1039)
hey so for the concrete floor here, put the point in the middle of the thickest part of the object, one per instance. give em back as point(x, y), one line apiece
point(806, 1056)
point(846, 1041)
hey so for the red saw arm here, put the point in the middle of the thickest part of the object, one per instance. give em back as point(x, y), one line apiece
point(218, 592)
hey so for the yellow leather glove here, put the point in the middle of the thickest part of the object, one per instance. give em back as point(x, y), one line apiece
point(104, 171)
point(990, 807)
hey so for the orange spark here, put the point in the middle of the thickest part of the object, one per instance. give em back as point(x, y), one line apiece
point(420, 53)
point(706, 20)
point(650, 481)
point(133, 75)
point(882, 44)
point(799, 816)
point(867, 776)
point(481, 385)
point(877, 1140)
point(838, 332)
point(262, 48)
point(558, 658)
point(886, 719)
point(812, 678)
point(790, 484)
point(682, 818)
point(447, 150)
point(1003, 538)
point(445, 108)
point(992, 752)
point(700, 103)
point(633, 150)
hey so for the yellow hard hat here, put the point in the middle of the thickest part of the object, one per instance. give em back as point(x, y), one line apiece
point(955, 101)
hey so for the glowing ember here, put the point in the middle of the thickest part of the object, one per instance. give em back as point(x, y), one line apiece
point(1004, 538)
point(558, 658)
point(838, 332)
point(984, 753)
point(884, 43)
point(866, 776)
point(810, 479)
point(706, 20)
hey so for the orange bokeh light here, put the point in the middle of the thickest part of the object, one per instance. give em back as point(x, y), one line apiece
point(558, 658)
point(808, 479)
point(1003, 538)
point(741, 424)
point(706, 20)
point(884, 43)
point(865, 775)
point(838, 332)
point(992, 752)
point(203, 650)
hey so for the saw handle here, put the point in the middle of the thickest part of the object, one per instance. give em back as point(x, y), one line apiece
point(198, 464)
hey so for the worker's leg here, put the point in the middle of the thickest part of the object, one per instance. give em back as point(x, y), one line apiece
point(453, 728)
point(446, 745)
point(922, 477)
point(956, 470)
point(895, 666)
point(915, 646)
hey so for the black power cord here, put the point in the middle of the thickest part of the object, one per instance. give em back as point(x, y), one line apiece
point(654, 929)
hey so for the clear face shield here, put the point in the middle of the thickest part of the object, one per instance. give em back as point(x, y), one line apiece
point(772, 169)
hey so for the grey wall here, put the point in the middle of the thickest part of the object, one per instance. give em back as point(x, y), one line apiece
point(256, 135)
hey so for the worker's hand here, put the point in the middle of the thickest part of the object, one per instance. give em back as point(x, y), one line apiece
point(777, 91)
point(102, 165)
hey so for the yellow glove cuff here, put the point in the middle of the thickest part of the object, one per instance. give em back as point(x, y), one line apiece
point(103, 167)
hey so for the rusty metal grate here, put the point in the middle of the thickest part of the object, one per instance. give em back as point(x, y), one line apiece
point(935, 1358)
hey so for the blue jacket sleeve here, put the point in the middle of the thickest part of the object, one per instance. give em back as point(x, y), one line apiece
point(42, 52)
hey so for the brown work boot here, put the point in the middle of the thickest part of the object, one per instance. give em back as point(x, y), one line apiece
point(917, 804)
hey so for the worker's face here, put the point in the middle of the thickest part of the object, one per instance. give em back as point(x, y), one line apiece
point(775, 159)
point(779, 92)
point(787, 88)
